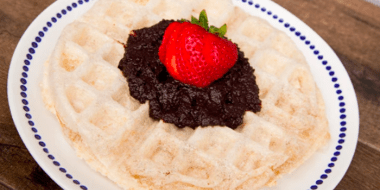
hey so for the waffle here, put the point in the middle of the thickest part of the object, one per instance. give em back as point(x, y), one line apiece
point(114, 134)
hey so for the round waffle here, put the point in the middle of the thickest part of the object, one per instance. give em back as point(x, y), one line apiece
point(113, 132)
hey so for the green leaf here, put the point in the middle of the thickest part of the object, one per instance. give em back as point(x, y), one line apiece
point(203, 22)
point(222, 30)
point(213, 29)
point(203, 19)
point(194, 20)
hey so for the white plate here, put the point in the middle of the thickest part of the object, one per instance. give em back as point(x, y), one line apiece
point(42, 135)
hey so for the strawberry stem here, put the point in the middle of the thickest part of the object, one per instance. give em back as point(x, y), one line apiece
point(203, 19)
point(222, 30)
point(203, 22)
point(194, 20)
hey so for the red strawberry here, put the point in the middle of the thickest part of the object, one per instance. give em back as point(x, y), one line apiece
point(195, 56)
point(169, 30)
point(221, 52)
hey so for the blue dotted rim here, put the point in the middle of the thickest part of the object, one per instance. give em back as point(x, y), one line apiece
point(24, 80)
point(39, 37)
point(334, 80)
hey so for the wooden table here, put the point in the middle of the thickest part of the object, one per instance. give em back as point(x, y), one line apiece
point(350, 27)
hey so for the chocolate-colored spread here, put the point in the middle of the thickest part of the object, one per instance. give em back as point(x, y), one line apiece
point(223, 102)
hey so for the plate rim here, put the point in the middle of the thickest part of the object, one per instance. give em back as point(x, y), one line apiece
point(337, 62)
point(17, 118)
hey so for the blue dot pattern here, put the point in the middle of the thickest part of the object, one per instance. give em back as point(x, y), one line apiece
point(24, 101)
point(339, 92)
point(69, 8)
point(62, 170)
point(28, 116)
point(31, 123)
point(23, 87)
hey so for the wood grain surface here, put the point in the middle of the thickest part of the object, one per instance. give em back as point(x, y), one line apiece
point(350, 27)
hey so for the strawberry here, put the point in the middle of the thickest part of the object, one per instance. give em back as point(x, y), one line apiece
point(195, 53)
point(169, 30)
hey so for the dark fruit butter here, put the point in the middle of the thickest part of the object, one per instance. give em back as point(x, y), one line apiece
point(222, 103)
